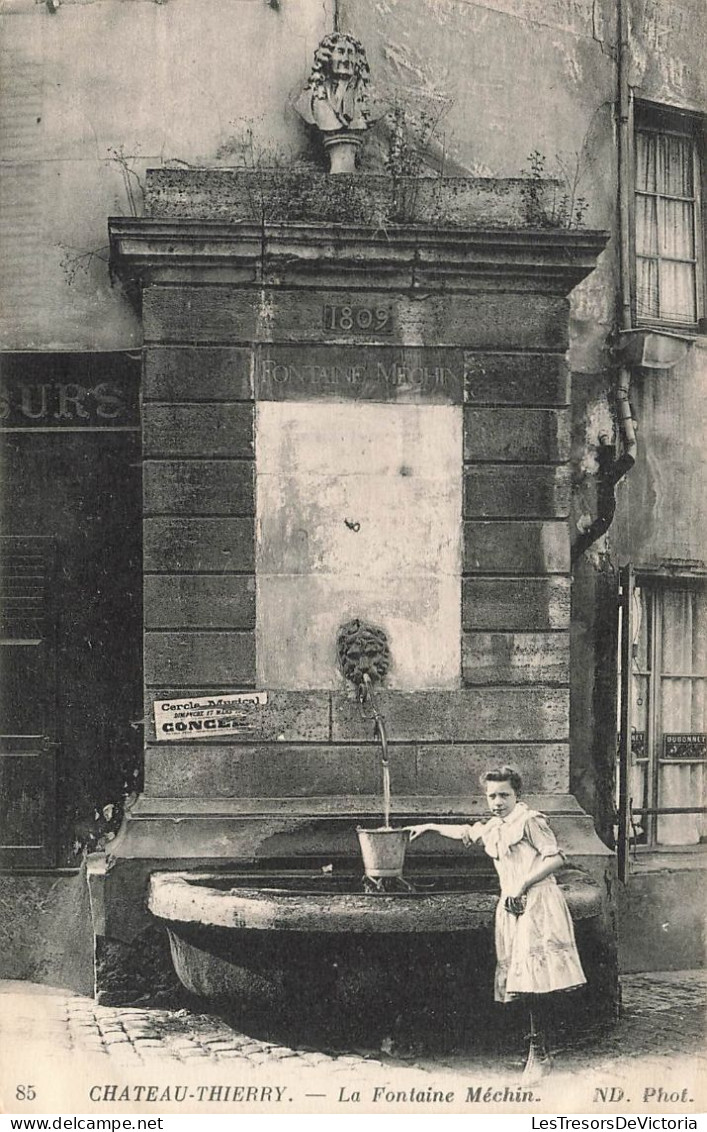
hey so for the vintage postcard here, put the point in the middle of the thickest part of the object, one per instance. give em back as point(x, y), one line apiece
point(353, 577)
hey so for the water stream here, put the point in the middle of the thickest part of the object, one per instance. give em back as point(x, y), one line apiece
point(380, 733)
point(386, 794)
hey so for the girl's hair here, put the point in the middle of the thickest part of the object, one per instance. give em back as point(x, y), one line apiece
point(504, 774)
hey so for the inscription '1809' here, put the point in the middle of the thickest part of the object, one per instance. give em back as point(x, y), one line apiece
point(351, 320)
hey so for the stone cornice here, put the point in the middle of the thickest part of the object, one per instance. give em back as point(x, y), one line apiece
point(411, 258)
point(203, 828)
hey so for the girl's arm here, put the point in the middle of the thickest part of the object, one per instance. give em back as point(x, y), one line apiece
point(464, 833)
point(545, 867)
point(549, 859)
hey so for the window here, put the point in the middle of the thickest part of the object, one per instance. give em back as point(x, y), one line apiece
point(669, 241)
point(667, 712)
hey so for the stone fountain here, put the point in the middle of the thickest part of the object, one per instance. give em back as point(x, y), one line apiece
point(329, 953)
point(345, 419)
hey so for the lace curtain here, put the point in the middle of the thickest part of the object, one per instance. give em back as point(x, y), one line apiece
point(679, 685)
point(665, 228)
point(682, 710)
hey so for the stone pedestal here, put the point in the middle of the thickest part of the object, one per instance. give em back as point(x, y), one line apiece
point(341, 148)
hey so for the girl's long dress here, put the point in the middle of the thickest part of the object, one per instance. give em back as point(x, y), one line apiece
point(536, 952)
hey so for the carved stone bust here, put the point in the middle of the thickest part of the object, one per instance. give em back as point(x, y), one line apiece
point(337, 95)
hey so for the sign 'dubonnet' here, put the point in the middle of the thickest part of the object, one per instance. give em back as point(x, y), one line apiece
point(206, 717)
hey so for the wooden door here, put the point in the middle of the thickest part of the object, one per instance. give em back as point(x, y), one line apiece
point(27, 703)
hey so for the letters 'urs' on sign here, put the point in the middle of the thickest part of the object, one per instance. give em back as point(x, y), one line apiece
point(66, 404)
point(208, 717)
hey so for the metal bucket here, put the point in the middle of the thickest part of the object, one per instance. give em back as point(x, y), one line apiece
point(383, 851)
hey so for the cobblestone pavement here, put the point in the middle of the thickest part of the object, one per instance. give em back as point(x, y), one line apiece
point(661, 1031)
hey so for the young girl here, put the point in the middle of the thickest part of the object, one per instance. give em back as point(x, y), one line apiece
point(536, 952)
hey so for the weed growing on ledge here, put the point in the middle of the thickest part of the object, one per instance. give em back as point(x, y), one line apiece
point(411, 129)
point(551, 197)
point(408, 146)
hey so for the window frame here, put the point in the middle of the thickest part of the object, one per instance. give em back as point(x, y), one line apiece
point(661, 119)
point(655, 583)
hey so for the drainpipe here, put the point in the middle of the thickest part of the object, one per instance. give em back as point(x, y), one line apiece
point(611, 470)
point(625, 141)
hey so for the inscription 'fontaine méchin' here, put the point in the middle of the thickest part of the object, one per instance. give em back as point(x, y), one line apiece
point(378, 373)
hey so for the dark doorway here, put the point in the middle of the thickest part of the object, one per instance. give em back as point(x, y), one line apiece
point(70, 564)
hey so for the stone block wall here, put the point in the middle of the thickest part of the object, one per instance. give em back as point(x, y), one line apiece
point(506, 373)
point(243, 317)
point(198, 518)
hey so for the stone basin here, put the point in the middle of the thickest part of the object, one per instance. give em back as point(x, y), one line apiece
point(321, 903)
point(310, 953)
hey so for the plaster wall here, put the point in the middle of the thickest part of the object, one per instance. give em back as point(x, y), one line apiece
point(668, 40)
point(45, 930)
point(94, 94)
point(499, 78)
point(662, 509)
point(660, 519)
point(661, 917)
point(358, 515)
